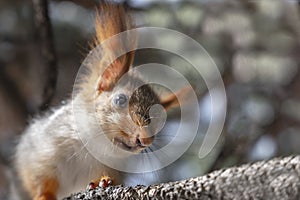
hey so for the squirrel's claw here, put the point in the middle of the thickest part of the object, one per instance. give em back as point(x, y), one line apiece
point(103, 182)
point(92, 185)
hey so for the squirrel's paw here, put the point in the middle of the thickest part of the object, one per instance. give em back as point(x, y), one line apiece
point(103, 182)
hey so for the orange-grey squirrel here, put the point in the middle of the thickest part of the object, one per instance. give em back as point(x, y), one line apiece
point(45, 159)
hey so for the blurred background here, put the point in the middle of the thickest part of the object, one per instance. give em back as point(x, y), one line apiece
point(254, 43)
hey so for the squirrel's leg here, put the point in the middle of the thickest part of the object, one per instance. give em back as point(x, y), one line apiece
point(46, 191)
point(104, 182)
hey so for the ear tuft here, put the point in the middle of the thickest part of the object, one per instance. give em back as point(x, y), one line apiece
point(112, 19)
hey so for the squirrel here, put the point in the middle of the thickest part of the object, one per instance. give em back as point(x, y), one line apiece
point(44, 158)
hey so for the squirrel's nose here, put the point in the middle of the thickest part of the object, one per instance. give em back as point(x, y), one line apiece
point(144, 142)
point(144, 138)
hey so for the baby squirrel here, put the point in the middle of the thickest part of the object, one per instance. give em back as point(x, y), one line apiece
point(51, 159)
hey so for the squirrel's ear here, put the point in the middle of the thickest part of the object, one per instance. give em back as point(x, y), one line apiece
point(112, 19)
point(114, 72)
point(171, 100)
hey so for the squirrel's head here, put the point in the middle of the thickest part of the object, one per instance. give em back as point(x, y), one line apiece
point(122, 106)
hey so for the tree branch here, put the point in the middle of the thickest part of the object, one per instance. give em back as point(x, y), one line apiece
point(274, 179)
point(89, 4)
point(44, 31)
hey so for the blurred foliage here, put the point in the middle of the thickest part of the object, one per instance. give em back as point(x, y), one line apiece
point(255, 45)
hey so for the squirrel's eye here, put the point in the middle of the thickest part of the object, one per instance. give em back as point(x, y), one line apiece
point(120, 100)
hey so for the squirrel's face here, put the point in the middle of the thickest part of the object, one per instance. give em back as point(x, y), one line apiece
point(126, 121)
point(122, 114)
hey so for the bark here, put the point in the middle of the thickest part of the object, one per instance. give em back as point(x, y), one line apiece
point(278, 178)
